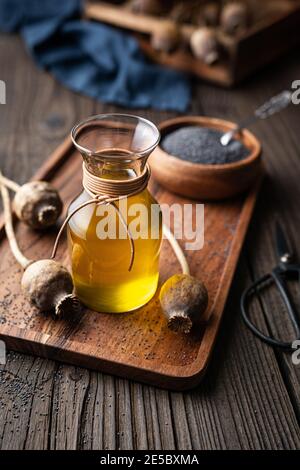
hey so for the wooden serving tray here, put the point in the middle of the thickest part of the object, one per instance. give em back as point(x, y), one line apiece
point(271, 34)
point(134, 345)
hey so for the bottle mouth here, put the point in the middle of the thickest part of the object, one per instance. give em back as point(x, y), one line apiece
point(115, 136)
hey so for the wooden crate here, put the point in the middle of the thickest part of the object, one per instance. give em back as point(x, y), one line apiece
point(268, 38)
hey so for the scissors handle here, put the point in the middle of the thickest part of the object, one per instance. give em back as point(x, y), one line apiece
point(278, 276)
point(272, 277)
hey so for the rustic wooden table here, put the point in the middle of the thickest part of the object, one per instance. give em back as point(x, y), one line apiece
point(250, 396)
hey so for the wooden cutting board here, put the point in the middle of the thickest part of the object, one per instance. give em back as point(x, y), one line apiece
point(134, 345)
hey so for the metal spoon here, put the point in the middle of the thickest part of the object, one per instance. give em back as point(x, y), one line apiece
point(270, 107)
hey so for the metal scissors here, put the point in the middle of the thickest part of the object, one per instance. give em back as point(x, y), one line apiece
point(286, 269)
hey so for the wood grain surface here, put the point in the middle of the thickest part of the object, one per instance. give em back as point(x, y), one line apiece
point(250, 395)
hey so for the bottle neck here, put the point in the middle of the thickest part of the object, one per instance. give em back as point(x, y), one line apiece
point(115, 164)
point(111, 188)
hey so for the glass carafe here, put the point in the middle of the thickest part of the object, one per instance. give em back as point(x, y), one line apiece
point(115, 147)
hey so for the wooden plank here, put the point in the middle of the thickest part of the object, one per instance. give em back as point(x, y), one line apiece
point(272, 41)
point(216, 413)
point(243, 389)
point(124, 18)
point(218, 73)
point(284, 192)
point(278, 199)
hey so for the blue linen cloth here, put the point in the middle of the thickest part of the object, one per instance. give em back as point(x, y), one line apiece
point(92, 58)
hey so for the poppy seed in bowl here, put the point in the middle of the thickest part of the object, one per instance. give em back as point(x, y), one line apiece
point(202, 145)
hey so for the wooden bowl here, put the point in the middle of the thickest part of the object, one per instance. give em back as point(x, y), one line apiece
point(200, 181)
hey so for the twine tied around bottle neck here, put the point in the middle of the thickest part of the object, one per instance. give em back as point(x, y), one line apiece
point(107, 191)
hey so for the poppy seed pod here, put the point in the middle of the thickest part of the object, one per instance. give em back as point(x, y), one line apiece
point(184, 300)
point(204, 45)
point(234, 18)
point(37, 204)
point(49, 286)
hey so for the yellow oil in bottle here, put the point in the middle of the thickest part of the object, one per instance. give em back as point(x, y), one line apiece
point(100, 266)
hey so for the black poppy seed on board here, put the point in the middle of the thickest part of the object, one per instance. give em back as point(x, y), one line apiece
point(202, 145)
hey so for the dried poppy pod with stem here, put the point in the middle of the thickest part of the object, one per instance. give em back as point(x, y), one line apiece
point(235, 17)
point(204, 45)
point(46, 283)
point(36, 203)
point(183, 298)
